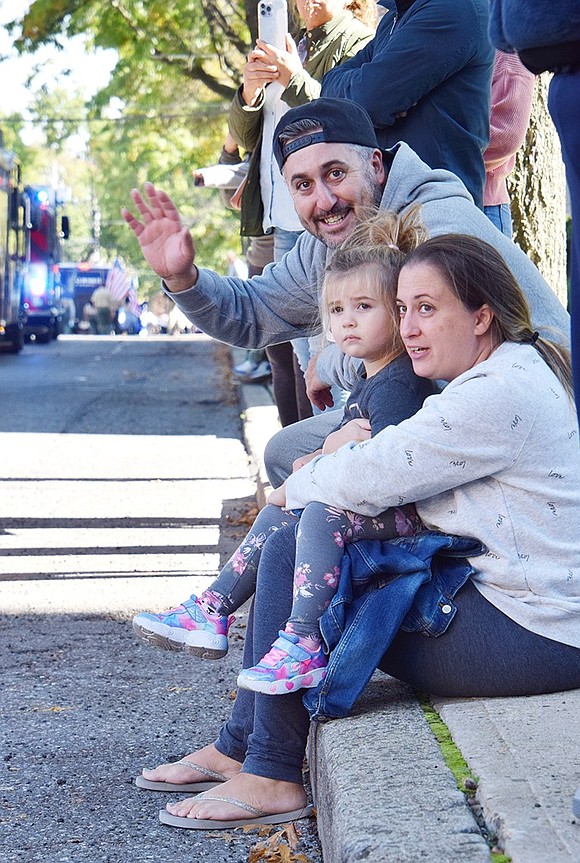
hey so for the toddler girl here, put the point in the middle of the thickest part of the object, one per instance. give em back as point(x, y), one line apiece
point(358, 305)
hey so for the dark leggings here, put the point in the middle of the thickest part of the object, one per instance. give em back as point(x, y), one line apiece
point(483, 653)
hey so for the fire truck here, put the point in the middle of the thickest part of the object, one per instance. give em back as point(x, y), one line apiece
point(41, 293)
point(12, 250)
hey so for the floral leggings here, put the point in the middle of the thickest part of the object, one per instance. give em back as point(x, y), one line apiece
point(321, 536)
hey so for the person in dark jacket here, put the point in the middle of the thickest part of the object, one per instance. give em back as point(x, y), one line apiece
point(425, 79)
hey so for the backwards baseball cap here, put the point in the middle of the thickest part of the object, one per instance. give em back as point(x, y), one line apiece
point(341, 122)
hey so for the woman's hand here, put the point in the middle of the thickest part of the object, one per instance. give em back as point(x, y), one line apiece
point(304, 459)
point(356, 430)
point(286, 62)
point(258, 72)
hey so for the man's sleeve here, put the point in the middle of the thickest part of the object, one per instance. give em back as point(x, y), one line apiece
point(277, 306)
point(245, 122)
point(337, 369)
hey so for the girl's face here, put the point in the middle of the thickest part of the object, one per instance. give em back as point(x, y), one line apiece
point(442, 337)
point(360, 322)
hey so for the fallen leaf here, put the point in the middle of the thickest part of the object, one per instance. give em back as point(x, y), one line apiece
point(56, 708)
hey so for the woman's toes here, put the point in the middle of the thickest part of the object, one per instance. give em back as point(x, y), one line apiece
point(182, 772)
point(163, 773)
point(183, 807)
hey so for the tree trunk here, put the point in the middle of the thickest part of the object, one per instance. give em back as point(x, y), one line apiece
point(537, 189)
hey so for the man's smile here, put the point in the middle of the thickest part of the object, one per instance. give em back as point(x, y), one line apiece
point(335, 217)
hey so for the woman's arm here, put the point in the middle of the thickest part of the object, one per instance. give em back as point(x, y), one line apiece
point(451, 441)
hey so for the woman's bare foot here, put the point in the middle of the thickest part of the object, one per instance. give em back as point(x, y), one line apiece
point(179, 773)
point(270, 796)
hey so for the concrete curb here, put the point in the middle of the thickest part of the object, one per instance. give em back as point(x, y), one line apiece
point(383, 791)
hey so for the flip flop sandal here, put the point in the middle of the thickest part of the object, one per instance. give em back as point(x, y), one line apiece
point(193, 787)
point(258, 817)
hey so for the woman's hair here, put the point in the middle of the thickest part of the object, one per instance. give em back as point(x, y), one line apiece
point(374, 252)
point(477, 274)
point(366, 11)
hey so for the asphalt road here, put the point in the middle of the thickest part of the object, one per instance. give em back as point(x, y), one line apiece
point(124, 486)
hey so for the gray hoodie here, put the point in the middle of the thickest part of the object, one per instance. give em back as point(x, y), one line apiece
point(282, 303)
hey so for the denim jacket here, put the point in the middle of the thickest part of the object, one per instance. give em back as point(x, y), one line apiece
point(407, 583)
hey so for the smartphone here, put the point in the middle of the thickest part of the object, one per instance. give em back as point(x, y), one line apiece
point(273, 22)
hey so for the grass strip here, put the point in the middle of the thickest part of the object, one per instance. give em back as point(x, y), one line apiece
point(466, 781)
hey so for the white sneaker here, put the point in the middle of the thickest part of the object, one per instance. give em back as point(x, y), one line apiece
point(245, 368)
point(258, 374)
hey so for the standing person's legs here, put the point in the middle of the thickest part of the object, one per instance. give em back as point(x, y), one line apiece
point(563, 101)
point(287, 379)
point(289, 389)
point(254, 367)
point(305, 349)
point(104, 321)
point(305, 408)
point(501, 216)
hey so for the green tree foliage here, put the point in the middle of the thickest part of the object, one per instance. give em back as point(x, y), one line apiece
point(203, 40)
point(162, 114)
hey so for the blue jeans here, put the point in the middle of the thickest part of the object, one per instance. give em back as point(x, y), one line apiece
point(482, 654)
point(284, 241)
point(563, 101)
point(501, 216)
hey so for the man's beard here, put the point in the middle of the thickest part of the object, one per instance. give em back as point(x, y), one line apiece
point(375, 192)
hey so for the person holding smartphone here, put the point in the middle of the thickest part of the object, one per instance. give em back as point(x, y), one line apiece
point(275, 79)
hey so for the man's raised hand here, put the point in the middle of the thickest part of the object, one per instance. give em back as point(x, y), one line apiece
point(166, 244)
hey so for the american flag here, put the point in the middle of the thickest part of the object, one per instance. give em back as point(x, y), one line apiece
point(120, 287)
point(134, 302)
point(117, 282)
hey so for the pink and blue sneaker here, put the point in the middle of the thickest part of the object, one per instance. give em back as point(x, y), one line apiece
point(189, 627)
point(286, 667)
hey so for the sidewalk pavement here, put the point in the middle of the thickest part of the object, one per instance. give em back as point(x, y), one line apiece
point(383, 790)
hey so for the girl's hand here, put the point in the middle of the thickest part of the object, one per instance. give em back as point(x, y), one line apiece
point(356, 430)
point(277, 497)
